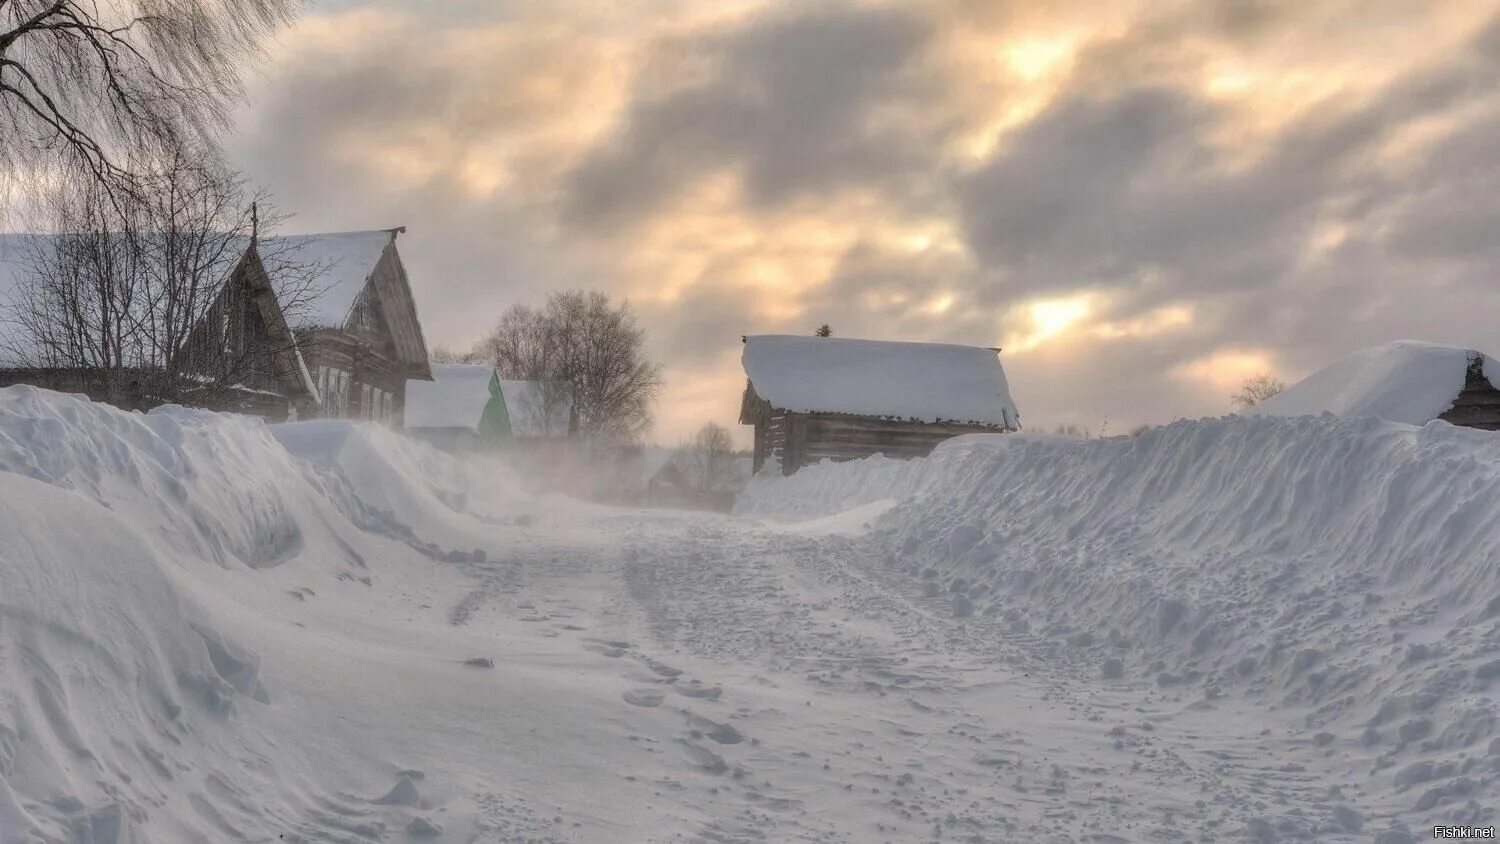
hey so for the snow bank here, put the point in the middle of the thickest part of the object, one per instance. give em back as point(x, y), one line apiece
point(390, 484)
point(1406, 381)
point(215, 486)
point(930, 382)
point(1346, 569)
point(112, 683)
point(121, 699)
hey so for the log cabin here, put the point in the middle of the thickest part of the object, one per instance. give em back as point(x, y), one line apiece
point(342, 347)
point(1406, 381)
point(360, 336)
point(242, 356)
point(816, 398)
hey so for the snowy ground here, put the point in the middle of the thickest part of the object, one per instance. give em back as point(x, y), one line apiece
point(214, 632)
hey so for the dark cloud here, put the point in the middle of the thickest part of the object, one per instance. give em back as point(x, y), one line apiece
point(788, 105)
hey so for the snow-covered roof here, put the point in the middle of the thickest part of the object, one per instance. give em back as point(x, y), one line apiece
point(22, 254)
point(1406, 381)
point(928, 382)
point(454, 398)
point(345, 261)
point(537, 408)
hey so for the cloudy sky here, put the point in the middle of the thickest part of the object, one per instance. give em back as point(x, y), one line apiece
point(1142, 202)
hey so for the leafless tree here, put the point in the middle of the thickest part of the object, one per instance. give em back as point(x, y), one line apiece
point(824, 330)
point(135, 299)
point(591, 345)
point(1256, 389)
point(86, 83)
point(707, 460)
point(446, 354)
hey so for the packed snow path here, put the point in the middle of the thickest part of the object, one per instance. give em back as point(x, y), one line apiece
point(788, 685)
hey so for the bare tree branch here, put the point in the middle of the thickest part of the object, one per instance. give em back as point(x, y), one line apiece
point(86, 84)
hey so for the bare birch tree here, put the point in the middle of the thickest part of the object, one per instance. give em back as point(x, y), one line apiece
point(135, 297)
point(707, 460)
point(86, 83)
point(591, 345)
point(1256, 389)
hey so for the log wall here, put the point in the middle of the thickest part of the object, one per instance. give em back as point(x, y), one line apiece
point(801, 439)
point(1478, 405)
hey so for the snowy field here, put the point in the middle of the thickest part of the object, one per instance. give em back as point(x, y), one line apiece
point(1243, 629)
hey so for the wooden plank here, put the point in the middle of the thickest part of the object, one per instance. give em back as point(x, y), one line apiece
point(856, 423)
point(792, 456)
point(1472, 416)
point(1478, 398)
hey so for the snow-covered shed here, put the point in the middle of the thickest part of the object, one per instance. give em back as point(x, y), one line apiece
point(811, 398)
point(460, 407)
point(466, 405)
point(1406, 381)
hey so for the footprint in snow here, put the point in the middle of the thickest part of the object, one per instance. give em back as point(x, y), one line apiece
point(704, 759)
point(721, 733)
point(695, 689)
point(643, 697)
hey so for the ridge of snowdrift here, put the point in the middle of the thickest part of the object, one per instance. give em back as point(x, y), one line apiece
point(1345, 573)
point(126, 714)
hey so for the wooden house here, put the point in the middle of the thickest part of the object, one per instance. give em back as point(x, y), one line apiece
point(345, 347)
point(467, 406)
point(1477, 404)
point(361, 340)
point(816, 398)
point(1406, 381)
point(241, 357)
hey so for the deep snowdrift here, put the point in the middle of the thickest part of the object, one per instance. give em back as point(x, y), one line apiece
point(126, 714)
point(1346, 573)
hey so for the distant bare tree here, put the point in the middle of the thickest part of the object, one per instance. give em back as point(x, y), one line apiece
point(135, 293)
point(707, 460)
point(1256, 389)
point(445, 354)
point(591, 345)
point(85, 82)
point(824, 330)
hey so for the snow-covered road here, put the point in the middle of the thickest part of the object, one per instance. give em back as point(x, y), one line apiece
point(787, 685)
point(1225, 630)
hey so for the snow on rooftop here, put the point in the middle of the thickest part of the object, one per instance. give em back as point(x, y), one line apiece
point(929, 382)
point(1406, 381)
point(345, 261)
point(454, 398)
point(20, 256)
point(537, 408)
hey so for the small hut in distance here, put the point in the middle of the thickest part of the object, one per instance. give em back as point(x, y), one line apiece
point(811, 398)
point(1407, 381)
point(468, 406)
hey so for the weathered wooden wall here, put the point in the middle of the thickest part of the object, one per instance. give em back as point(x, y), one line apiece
point(801, 439)
point(1478, 405)
point(815, 437)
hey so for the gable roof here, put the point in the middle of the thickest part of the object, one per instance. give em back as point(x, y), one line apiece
point(455, 397)
point(347, 263)
point(1406, 381)
point(346, 260)
point(926, 382)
